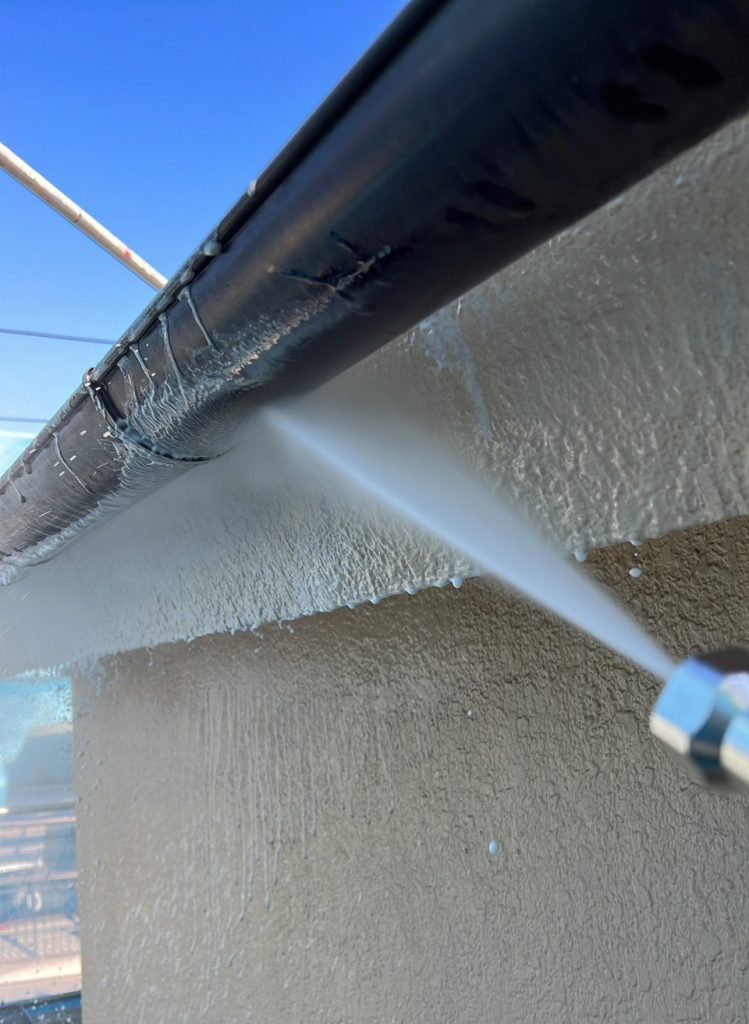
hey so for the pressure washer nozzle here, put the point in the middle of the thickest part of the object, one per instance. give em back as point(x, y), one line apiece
point(702, 714)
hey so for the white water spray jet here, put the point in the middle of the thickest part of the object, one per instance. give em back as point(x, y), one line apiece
point(407, 472)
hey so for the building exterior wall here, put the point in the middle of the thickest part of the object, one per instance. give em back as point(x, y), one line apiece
point(600, 383)
point(296, 826)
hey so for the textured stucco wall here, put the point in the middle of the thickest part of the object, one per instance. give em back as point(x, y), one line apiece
point(601, 382)
point(296, 827)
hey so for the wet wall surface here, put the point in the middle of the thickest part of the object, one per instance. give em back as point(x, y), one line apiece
point(443, 808)
point(600, 382)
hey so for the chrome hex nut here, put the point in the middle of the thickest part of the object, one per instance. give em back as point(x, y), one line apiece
point(734, 751)
point(700, 701)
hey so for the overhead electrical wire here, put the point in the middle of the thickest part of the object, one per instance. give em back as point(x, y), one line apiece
point(55, 337)
point(52, 337)
point(21, 419)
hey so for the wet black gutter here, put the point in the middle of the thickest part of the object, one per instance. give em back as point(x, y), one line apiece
point(470, 133)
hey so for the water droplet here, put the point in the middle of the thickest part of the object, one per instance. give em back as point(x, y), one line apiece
point(635, 572)
point(495, 847)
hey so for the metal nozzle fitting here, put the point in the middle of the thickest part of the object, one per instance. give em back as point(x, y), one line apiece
point(703, 716)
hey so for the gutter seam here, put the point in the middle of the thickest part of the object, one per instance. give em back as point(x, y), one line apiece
point(121, 430)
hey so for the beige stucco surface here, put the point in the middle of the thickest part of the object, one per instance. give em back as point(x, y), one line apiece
point(600, 382)
point(296, 826)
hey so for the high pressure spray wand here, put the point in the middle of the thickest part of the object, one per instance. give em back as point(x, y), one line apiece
point(702, 715)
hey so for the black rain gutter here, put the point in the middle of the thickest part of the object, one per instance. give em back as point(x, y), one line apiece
point(472, 131)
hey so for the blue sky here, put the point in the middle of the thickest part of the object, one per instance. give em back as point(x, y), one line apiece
point(154, 117)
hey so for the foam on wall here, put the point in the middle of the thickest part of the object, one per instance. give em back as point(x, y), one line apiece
point(600, 383)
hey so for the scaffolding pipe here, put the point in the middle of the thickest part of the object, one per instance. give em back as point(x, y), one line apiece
point(25, 175)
